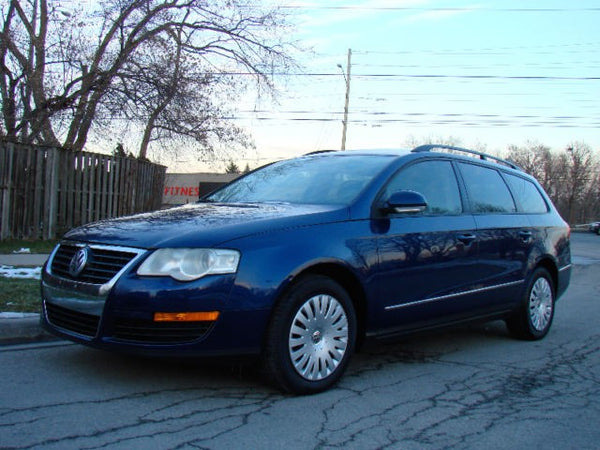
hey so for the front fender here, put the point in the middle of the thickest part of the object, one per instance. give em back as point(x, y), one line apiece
point(271, 262)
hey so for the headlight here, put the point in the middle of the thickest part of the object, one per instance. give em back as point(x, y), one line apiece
point(186, 264)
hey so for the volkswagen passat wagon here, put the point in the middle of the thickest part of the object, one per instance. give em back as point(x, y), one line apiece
point(302, 260)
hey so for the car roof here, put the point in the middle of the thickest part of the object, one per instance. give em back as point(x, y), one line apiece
point(429, 151)
point(365, 152)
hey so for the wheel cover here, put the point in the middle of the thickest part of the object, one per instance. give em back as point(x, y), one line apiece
point(318, 337)
point(541, 304)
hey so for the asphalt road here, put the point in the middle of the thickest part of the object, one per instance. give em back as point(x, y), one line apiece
point(470, 388)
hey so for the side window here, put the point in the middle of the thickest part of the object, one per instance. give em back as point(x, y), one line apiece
point(433, 179)
point(487, 190)
point(529, 198)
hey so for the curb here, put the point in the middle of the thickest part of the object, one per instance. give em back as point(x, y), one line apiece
point(19, 328)
point(24, 259)
point(22, 328)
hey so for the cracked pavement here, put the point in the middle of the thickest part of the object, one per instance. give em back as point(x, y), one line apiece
point(469, 387)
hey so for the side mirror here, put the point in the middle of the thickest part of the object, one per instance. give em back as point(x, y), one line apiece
point(405, 202)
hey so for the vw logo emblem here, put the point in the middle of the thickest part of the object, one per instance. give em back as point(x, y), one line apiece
point(79, 261)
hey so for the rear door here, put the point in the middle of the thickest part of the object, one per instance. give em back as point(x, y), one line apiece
point(505, 234)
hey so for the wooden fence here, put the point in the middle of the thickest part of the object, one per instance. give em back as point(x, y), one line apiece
point(45, 191)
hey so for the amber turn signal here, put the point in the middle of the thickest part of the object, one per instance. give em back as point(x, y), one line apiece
point(206, 316)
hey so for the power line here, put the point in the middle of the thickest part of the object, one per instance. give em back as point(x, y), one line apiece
point(481, 77)
point(524, 120)
point(481, 50)
point(572, 47)
point(468, 122)
point(423, 9)
point(546, 65)
point(387, 113)
point(406, 75)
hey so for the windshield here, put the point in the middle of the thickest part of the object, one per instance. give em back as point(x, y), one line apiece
point(319, 179)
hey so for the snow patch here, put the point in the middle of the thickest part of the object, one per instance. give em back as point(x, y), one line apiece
point(22, 250)
point(17, 315)
point(34, 273)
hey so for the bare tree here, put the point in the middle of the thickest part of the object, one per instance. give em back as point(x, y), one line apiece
point(171, 96)
point(579, 166)
point(569, 177)
point(160, 63)
point(26, 107)
point(538, 160)
point(413, 141)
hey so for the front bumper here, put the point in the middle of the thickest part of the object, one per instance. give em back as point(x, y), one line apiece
point(119, 315)
point(120, 333)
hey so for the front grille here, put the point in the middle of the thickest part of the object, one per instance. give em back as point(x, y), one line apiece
point(137, 330)
point(103, 263)
point(77, 322)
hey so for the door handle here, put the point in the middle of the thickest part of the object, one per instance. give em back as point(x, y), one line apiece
point(466, 238)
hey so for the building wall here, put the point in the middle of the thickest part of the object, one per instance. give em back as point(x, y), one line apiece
point(181, 188)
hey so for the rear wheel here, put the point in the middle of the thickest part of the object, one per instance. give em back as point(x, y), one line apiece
point(311, 336)
point(533, 319)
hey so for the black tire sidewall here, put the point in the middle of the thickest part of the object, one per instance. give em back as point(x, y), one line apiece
point(521, 324)
point(277, 358)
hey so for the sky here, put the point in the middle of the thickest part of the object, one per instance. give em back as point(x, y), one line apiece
point(481, 73)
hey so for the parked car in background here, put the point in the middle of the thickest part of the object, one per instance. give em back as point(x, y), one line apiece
point(302, 260)
point(594, 227)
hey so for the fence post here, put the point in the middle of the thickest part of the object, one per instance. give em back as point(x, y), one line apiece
point(6, 187)
point(38, 204)
point(51, 193)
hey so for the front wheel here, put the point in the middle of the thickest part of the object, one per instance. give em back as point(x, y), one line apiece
point(311, 336)
point(533, 319)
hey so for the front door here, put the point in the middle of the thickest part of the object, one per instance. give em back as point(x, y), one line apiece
point(426, 260)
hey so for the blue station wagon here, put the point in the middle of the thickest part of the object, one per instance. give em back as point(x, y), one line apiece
point(302, 260)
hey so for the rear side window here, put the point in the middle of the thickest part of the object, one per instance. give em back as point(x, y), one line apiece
point(487, 191)
point(433, 179)
point(527, 195)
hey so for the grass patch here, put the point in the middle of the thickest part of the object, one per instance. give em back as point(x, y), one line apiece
point(12, 245)
point(19, 295)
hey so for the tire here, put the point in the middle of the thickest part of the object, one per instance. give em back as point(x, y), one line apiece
point(311, 336)
point(534, 317)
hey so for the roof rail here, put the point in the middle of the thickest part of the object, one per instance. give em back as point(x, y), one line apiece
point(318, 152)
point(484, 156)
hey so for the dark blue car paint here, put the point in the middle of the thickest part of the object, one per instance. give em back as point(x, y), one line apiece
point(403, 272)
point(203, 224)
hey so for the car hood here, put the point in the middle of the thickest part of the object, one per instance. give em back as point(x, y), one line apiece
point(203, 224)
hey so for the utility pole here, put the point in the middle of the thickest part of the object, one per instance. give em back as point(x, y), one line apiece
point(347, 78)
